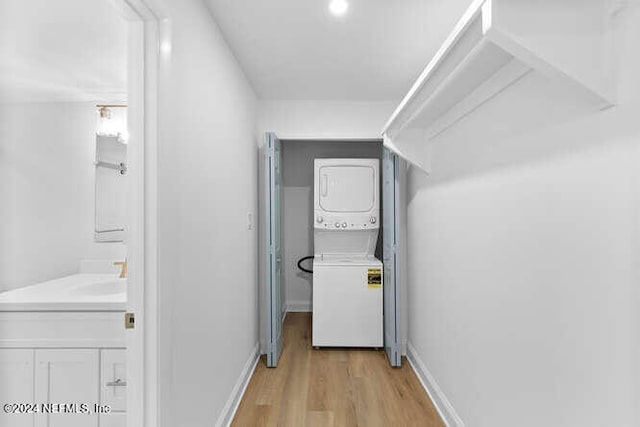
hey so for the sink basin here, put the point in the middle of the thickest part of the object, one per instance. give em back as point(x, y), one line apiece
point(102, 288)
point(77, 292)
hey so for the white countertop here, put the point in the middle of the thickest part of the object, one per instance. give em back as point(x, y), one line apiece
point(78, 292)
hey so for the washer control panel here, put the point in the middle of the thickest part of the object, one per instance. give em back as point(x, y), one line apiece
point(346, 221)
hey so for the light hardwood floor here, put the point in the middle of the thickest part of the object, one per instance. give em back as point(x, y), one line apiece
point(332, 387)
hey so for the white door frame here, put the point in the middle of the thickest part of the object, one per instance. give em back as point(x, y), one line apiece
point(400, 224)
point(142, 288)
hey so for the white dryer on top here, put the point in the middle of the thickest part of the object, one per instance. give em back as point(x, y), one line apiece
point(346, 207)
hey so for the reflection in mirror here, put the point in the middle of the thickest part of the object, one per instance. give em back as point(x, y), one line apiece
point(110, 189)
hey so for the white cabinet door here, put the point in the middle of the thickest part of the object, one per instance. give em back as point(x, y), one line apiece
point(16, 385)
point(113, 379)
point(115, 419)
point(67, 377)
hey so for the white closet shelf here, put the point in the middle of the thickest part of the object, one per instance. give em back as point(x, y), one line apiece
point(493, 47)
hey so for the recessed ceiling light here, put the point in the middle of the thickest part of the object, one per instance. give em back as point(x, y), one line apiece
point(338, 7)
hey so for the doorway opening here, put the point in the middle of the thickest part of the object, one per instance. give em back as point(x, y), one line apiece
point(88, 203)
point(287, 204)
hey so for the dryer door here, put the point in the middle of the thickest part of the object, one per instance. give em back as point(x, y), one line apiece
point(347, 188)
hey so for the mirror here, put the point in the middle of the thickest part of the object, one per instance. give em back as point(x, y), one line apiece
point(110, 189)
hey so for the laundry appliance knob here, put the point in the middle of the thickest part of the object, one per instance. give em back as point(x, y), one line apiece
point(337, 224)
point(344, 225)
point(373, 220)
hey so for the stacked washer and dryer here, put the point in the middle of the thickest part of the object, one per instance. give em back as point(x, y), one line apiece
point(347, 277)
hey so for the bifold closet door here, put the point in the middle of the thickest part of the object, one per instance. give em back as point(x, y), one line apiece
point(273, 214)
point(391, 230)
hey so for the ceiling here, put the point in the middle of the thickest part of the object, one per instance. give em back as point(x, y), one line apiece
point(62, 50)
point(295, 49)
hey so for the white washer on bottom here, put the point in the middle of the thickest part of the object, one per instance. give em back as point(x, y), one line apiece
point(347, 303)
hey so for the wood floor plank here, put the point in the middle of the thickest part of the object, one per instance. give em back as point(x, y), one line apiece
point(332, 387)
point(319, 419)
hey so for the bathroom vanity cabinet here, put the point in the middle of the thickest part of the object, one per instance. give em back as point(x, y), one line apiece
point(64, 376)
point(63, 358)
point(63, 342)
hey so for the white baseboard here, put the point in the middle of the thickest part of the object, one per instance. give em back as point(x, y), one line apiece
point(299, 306)
point(440, 401)
point(230, 408)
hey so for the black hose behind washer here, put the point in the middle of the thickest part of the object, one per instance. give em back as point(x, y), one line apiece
point(304, 259)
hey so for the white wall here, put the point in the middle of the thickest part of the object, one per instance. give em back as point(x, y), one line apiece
point(47, 179)
point(297, 209)
point(207, 185)
point(324, 119)
point(523, 264)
